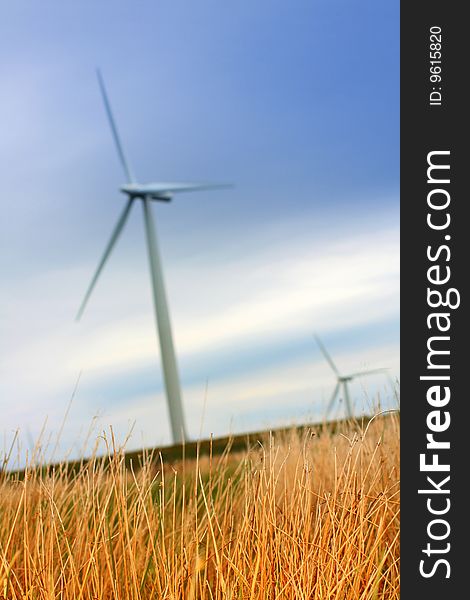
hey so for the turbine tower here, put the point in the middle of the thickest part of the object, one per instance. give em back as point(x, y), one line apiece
point(342, 381)
point(146, 193)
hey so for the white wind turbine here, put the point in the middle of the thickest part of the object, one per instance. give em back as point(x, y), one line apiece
point(342, 381)
point(146, 193)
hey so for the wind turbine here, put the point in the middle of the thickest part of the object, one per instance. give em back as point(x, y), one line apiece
point(146, 193)
point(342, 381)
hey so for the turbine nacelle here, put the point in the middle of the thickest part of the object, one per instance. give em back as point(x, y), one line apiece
point(165, 191)
point(138, 191)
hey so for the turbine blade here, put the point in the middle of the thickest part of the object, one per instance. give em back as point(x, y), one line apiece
point(114, 236)
point(112, 123)
point(192, 187)
point(326, 355)
point(369, 372)
point(332, 400)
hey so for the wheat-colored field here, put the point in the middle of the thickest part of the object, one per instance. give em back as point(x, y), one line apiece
point(299, 516)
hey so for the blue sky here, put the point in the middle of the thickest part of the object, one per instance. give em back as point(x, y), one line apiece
point(297, 104)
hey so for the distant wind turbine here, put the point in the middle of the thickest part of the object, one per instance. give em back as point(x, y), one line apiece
point(146, 193)
point(342, 381)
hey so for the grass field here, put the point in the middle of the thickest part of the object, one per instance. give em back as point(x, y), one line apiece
point(299, 515)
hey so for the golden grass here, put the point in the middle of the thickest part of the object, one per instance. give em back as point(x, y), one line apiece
point(297, 517)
